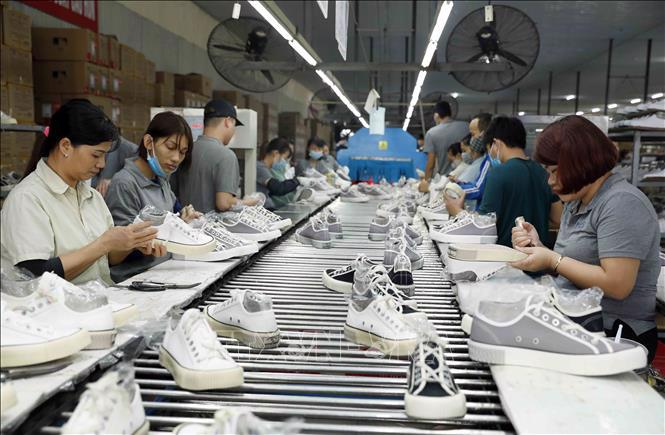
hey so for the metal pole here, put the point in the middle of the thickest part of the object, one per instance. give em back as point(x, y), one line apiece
point(496, 107)
point(646, 74)
point(538, 103)
point(371, 59)
point(577, 92)
point(549, 95)
point(414, 15)
point(607, 80)
point(517, 101)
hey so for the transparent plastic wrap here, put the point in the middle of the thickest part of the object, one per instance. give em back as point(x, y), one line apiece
point(484, 219)
point(153, 331)
point(240, 420)
point(258, 196)
point(152, 214)
point(572, 301)
point(254, 302)
point(12, 273)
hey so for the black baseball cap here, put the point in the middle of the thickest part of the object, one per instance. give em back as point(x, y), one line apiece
point(220, 109)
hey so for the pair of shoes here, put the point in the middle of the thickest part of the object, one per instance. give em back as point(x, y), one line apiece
point(315, 233)
point(373, 191)
point(466, 228)
point(110, 405)
point(381, 226)
point(272, 220)
point(228, 244)
point(342, 279)
point(353, 195)
point(533, 333)
point(246, 224)
point(176, 234)
point(400, 243)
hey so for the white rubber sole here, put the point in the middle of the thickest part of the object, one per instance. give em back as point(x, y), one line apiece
point(386, 346)
point(260, 237)
point(281, 224)
point(143, 429)
point(467, 322)
point(101, 339)
point(198, 380)
point(7, 397)
point(434, 217)
point(321, 244)
point(435, 408)
point(354, 200)
point(239, 251)
point(125, 315)
point(583, 365)
point(255, 340)
point(30, 354)
point(454, 238)
point(491, 253)
point(182, 249)
point(482, 269)
point(334, 285)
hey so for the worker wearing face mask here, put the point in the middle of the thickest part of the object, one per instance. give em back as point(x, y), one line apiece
point(456, 158)
point(314, 158)
point(275, 157)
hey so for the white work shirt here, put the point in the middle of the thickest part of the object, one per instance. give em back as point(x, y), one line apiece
point(43, 217)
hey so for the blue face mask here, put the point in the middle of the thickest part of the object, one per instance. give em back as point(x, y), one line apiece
point(280, 165)
point(494, 162)
point(155, 166)
point(315, 155)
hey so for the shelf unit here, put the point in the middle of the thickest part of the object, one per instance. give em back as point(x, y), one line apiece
point(638, 137)
point(22, 128)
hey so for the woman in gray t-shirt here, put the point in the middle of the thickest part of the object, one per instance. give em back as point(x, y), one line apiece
point(609, 235)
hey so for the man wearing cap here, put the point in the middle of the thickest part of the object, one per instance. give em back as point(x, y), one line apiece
point(212, 180)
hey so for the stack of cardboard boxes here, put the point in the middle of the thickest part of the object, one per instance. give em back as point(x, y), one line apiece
point(292, 126)
point(16, 89)
point(137, 92)
point(319, 129)
point(164, 89)
point(192, 90)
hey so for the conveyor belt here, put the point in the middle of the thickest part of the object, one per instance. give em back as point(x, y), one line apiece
point(335, 385)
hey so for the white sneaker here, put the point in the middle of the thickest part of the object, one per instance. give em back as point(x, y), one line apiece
point(7, 396)
point(178, 237)
point(468, 229)
point(246, 225)
point(196, 359)
point(434, 212)
point(352, 195)
point(54, 304)
point(112, 405)
point(26, 341)
point(431, 390)
point(228, 245)
point(381, 326)
point(274, 221)
point(246, 316)
point(310, 196)
point(239, 420)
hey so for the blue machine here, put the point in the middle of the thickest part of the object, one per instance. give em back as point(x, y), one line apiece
point(389, 156)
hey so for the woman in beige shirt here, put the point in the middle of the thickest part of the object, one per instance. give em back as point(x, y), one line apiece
point(54, 221)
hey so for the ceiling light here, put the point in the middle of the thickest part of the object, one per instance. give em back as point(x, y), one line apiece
point(580, 113)
point(421, 79)
point(570, 97)
point(454, 95)
point(429, 54)
point(441, 19)
point(635, 100)
point(612, 106)
point(538, 130)
point(406, 124)
point(325, 78)
point(520, 114)
point(658, 95)
point(409, 112)
point(595, 109)
point(302, 52)
point(363, 122)
point(270, 18)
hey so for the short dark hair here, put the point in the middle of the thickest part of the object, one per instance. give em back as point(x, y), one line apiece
point(316, 141)
point(278, 144)
point(421, 136)
point(167, 124)
point(581, 150)
point(442, 108)
point(509, 130)
point(466, 139)
point(484, 120)
point(455, 149)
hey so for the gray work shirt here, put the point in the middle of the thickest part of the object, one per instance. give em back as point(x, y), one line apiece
point(130, 191)
point(331, 162)
point(319, 165)
point(115, 160)
point(440, 137)
point(618, 222)
point(263, 176)
point(214, 168)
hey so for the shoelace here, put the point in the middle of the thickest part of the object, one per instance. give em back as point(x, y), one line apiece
point(460, 220)
point(566, 325)
point(25, 322)
point(383, 286)
point(202, 340)
point(424, 373)
point(251, 221)
point(193, 234)
point(265, 213)
point(388, 309)
point(222, 235)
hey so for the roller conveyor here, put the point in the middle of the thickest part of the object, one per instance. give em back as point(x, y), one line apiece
point(336, 386)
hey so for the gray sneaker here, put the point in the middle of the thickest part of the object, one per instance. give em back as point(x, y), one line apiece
point(315, 233)
point(409, 231)
point(394, 247)
point(467, 229)
point(334, 224)
point(533, 333)
point(381, 226)
point(246, 225)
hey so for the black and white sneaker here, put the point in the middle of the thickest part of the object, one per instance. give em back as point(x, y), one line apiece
point(582, 307)
point(341, 280)
point(431, 391)
point(401, 275)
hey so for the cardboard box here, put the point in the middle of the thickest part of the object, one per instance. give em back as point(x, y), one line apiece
point(104, 88)
point(114, 51)
point(115, 82)
point(103, 103)
point(139, 66)
point(21, 103)
point(148, 94)
point(189, 99)
point(16, 150)
point(128, 88)
point(149, 72)
point(45, 106)
point(103, 50)
point(164, 96)
point(4, 101)
point(64, 44)
point(53, 77)
point(16, 29)
point(165, 78)
point(141, 116)
point(198, 84)
point(127, 118)
point(179, 81)
point(236, 98)
point(127, 59)
point(16, 66)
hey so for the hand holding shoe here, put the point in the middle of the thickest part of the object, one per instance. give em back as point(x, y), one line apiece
point(525, 236)
point(538, 259)
point(129, 237)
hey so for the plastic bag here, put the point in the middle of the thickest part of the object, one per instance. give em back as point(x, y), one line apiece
point(152, 214)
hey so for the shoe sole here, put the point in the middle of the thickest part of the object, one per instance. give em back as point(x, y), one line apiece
point(125, 315)
point(278, 225)
point(387, 347)
point(435, 408)
point(260, 237)
point(25, 355)
point(179, 248)
point(494, 253)
point(434, 217)
point(321, 244)
point(451, 238)
point(377, 237)
point(255, 340)
point(101, 339)
point(143, 429)
point(582, 365)
point(334, 285)
point(240, 251)
point(481, 269)
point(7, 397)
point(198, 380)
point(354, 200)
point(467, 322)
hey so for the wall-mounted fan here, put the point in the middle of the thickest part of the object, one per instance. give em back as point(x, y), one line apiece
point(511, 38)
point(233, 44)
point(429, 101)
point(326, 106)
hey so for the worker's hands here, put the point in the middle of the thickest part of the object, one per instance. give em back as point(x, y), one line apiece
point(453, 179)
point(423, 186)
point(538, 259)
point(454, 205)
point(188, 214)
point(525, 236)
point(150, 248)
point(128, 238)
point(251, 201)
point(103, 186)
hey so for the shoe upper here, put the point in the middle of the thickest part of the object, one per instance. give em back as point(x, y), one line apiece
point(428, 373)
point(19, 329)
point(333, 221)
point(409, 231)
point(224, 237)
point(380, 225)
point(316, 229)
point(175, 230)
point(398, 232)
point(381, 317)
point(394, 247)
point(244, 223)
point(194, 345)
point(534, 324)
point(582, 307)
point(381, 285)
point(246, 309)
point(470, 225)
point(262, 212)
